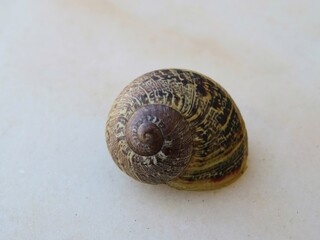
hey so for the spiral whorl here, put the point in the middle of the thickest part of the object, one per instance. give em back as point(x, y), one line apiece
point(143, 135)
point(157, 144)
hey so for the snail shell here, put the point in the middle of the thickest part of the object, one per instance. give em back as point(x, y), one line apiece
point(180, 128)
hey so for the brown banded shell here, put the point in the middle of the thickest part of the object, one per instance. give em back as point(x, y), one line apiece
point(177, 127)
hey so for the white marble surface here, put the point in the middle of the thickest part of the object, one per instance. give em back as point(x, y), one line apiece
point(63, 62)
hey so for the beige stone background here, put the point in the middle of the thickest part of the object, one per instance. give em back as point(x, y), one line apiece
point(62, 62)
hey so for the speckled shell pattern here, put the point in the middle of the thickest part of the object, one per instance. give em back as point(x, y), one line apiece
point(180, 128)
